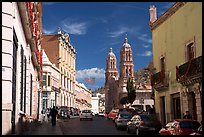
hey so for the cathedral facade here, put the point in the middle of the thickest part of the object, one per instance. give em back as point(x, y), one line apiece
point(115, 84)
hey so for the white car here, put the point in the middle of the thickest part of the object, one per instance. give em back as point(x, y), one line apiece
point(86, 114)
point(122, 119)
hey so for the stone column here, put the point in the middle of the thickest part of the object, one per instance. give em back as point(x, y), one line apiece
point(197, 92)
point(184, 99)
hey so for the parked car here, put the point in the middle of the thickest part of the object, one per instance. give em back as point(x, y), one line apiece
point(63, 112)
point(144, 123)
point(135, 111)
point(112, 114)
point(101, 114)
point(86, 114)
point(198, 131)
point(181, 127)
point(167, 129)
point(122, 119)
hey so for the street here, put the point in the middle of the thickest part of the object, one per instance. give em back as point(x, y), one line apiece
point(99, 126)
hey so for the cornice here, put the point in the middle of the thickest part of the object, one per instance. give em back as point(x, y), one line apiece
point(166, 15)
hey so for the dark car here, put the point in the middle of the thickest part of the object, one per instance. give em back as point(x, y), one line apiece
point(181, 127)
point(144, 123)
point(63, 112)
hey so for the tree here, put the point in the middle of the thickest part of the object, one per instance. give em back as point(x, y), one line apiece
point(131, 91)
point(130, 98)
point(124, 100)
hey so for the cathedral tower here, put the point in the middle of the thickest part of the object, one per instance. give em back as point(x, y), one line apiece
point(111, 74)
point(111, 69)
point(126, 67)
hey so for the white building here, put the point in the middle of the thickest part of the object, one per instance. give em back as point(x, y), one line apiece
point(95, 104)
point(51, 83)
point(21, 65)
point(143, 98)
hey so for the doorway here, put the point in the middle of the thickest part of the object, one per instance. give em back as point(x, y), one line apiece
point(162, 110)
point(192, 105)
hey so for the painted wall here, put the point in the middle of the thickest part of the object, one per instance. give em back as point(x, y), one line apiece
point(169, 39)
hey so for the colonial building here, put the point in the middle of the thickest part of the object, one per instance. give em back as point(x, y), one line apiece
point(21, 63)
point(62, 54)
point(95, 104)
point(115, 87)
point(144, 95)
point(51, 83)
point(82, 97)
point(177, 57)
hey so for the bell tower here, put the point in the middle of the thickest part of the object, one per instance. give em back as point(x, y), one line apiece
point(111, 74)
point(111, 69)
point(126, 67)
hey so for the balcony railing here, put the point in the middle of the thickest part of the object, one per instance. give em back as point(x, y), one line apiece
point(190, 72)
point(160, 81)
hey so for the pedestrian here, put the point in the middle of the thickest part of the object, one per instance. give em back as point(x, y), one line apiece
point(187, 115)
point(53, 114)
point(48, 113)
point(43, 115)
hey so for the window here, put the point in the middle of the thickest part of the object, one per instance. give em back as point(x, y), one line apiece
point(127, 57)
point(44, 80)
point(48, 80)
point(190, 51)
point(162, 61)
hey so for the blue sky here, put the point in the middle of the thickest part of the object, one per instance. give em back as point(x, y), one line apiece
point(95, 27)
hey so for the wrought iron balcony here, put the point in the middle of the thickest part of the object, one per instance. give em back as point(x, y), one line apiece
point(190, 72)
point(160, 81)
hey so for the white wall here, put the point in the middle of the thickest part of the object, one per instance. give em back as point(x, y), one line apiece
point(95, 104)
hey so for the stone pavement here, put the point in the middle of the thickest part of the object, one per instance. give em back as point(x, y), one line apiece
point(45, 128)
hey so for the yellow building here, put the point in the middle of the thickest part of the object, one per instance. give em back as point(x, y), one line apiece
point(177, 57)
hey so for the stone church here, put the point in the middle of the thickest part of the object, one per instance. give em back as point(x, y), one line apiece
point(115, 84)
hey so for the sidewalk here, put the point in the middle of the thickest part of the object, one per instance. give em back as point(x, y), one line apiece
point(45, 128)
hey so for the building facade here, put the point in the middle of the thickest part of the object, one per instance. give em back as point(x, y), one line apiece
point(51, 83)
point(143, 98)
point(60, 52)
point(95, 104)
point(82, 97)
point(177, 57)
point(21, 63)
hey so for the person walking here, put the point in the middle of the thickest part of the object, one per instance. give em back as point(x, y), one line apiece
point(53, 114)
point(43, 115)
point(48, 113)
point(187, 115)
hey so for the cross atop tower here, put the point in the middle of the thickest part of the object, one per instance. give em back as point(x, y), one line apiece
point(126, 39)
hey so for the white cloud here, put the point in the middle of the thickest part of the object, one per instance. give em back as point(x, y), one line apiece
point(119, 32)
point(145, 45)
point(146, 53)
point(145, 38)
point(47, 31)
point(103, 20)
point(90, 73)
point(73, 27)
